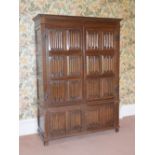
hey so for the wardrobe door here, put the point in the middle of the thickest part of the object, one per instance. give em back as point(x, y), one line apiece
point(100, 58)
point(65, 63)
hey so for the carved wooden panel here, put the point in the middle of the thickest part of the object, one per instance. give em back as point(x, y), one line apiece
point(93, 88)
point(107, 115)
point(107, 87)
point(75, 120)
point(99, 39)
point(92, 118)
point(74, 65)
point(100, 116)
point(93, 65)
point(74, 39)
point(107, 40)
point(58, 123)
point(92, 40)
point(107, 64)
point(57, 66)
point(58, 91)
point(64, 39)
point(74, 89)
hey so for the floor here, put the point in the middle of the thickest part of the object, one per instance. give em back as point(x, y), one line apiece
point(100, 143)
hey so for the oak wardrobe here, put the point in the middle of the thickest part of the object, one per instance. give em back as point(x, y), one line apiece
point(77, 75)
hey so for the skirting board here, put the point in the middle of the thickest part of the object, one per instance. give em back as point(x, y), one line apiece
point(29, 126)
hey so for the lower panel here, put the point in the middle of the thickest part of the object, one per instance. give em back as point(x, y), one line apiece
point(64, 122)
point(58, 124)
point(70, 120)
point(100, 116)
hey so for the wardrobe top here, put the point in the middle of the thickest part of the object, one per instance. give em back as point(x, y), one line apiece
point(43, 18)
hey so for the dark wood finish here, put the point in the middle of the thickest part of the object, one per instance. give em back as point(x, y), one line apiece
point(77, 75)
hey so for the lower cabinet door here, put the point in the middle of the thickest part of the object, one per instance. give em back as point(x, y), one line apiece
point(68, 120)
point(92, 117)
point(107, 115)
point(65, 122)
point(58, 124)
point(75, 121)
point(101, 116)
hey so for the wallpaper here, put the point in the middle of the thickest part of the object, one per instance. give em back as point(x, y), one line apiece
point(96, 8)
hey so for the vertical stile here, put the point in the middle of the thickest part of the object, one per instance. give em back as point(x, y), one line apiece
point(59, 91)
point(112, 39)
point(92, 35)
point(68, 65)
point(56, 66)
point(103, 40)
point(70, 58)
point(78, 40)
point(87, 42)
point(106, 40)
point(87, 62)
point(94, 64)
point(71, 32)
point(109, 40)
point(97, 43)
point(75, 39)
point(56, 38)
point(105, 64)
point(112, 68)
point(108, 63)
point(90, 41)
point(73, 63)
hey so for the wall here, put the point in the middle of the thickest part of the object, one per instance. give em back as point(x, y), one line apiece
point(97, 8)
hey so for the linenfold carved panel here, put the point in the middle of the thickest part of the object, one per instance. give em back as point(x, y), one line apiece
point(100, 116)
point(92, 40)
point(57, 66)
point(100, 88)
point(74, 89)
point(98, 39)
point(74, 65)
point(75, 123)
point(64, 39)
point(93, 65)
point(58, 123)
point(93, 88)
point(107, 39)
point(58, 91)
